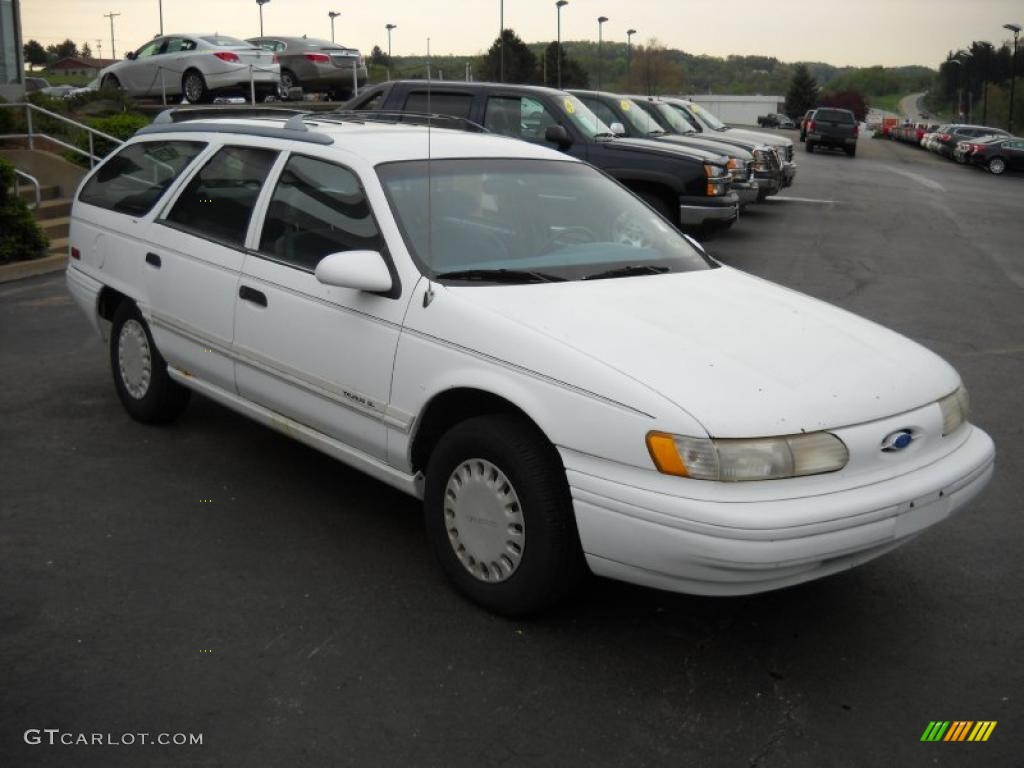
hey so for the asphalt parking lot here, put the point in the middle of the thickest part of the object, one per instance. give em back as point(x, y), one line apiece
point(217, 578)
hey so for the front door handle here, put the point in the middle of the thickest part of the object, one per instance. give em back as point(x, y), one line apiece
point(153, 260)
point(245, 293)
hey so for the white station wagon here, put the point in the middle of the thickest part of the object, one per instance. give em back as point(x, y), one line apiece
point(566, 381)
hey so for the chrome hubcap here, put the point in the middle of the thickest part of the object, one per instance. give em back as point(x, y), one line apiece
point(484, 520)
point(997, 166)
point(134, 359)
point(193, 87)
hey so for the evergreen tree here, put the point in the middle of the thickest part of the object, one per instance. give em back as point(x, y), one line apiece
point(803, 92)
point(520, 63)
point(63, 50)
point(86, 51)
point(35, 54)
point(378, 57)
point(573, 75)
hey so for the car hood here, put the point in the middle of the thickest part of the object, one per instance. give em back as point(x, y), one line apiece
point(708, 144)
point(762, 138)
point(742, 356)
point(657, 147)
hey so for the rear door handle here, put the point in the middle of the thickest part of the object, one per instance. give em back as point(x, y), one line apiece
point(245, 293)
point(153, 260)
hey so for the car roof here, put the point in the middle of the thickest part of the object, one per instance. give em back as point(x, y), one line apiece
point(297, 39)
point(379, 142)
point(476, 85)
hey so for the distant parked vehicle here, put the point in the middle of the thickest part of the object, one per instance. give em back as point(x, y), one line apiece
point(995, 154)
point(316, 66)
point(803, 124)
point(775, 120)
point(196, 66)
point(951, 135)
point(836, 128)
point(33, 84)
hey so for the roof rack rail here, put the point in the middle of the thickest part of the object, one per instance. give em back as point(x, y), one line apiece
point(294, 128)
point(398, 116)
point(181, 114)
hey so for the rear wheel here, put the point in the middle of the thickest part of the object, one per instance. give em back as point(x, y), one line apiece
point(851, 151)
point(145, 388)
point(809, 146)
point(193, 85)
point(288, 81)
point(996, 165)
point(499, 515)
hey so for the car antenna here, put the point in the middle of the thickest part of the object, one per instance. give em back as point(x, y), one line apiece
point(428, 297)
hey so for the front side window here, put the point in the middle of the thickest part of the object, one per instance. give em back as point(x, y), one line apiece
point(318, 208)
point(602, 110)
point(505, 220)
point(218, 201)
point(519, 117)
point(134, 179)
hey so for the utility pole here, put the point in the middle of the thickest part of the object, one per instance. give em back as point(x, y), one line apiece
point(1015, 28)
point(99, 48)
point(113, 50)
point(600, 64)
point(629, 57)
point(501, 41)
point(558, 9)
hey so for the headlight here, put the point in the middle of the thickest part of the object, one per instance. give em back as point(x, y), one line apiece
point(718, 180)
point(762, 161)
point(731, 460)
point(955, 410)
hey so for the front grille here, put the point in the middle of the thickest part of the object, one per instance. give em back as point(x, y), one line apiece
point(789, 153)
point(775, 160)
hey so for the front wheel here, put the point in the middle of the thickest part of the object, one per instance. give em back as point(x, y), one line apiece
point(145, 388)
point(499, 515)
point(193, 85)
point(110, 83)
point(996, 165)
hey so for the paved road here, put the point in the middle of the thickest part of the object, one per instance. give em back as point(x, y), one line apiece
point(296, 618)
point(911, 107)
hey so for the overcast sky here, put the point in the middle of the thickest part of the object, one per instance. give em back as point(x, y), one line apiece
point(860, 33)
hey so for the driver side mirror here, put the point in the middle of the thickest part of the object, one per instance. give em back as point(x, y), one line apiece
point(359, 270)
point(132, 55)
point(556, 134)
point(618, 129)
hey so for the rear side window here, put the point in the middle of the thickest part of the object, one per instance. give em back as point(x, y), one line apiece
point(218, 201)
point(136, 178)
point(833, 116)
point(318, 208)
point(454, 104)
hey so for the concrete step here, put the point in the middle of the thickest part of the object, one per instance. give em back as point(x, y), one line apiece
point(59, 245)
point(52, 209)
point(46, 191)
point(56, 229)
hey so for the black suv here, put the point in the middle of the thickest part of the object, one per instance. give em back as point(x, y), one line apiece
point(688, 186)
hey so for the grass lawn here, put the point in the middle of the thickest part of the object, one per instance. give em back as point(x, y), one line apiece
point(53, 79)
point(889, 103)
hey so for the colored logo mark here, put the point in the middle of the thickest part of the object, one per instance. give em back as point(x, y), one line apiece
point(958, 730)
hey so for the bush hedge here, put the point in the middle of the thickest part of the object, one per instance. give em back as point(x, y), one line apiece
point(21, 238)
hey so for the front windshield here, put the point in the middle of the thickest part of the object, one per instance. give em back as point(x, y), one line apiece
point(707, 118)
point(583, 118)
point(639, 119)
point(675, 120)
point(514, 220)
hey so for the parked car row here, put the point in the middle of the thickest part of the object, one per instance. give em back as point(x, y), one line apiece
point(499, 329)
point(694, 170)
point(775, 120)
point(991, 148)
point(197, 67)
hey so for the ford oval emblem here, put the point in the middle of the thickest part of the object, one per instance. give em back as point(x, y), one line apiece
point(897, 441)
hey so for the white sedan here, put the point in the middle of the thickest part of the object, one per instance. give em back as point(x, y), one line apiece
point(506, 333)
point(195, 66)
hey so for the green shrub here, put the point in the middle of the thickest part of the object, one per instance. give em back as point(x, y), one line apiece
point(122, 126)
point(20, 236)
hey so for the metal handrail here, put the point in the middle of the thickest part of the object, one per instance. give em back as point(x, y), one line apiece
point(35, 183)
point(31, 135)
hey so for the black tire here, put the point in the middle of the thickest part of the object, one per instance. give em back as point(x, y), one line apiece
point(809, 146)
point(851, 151)
point(287, 82)
point(193, 87)
point(996, 166)
point(551, 564)
point(110, 83)
point(161, 400)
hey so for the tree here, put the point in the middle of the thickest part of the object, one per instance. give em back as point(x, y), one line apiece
point(35, 54)
point(520, 63)
point(654, 71)
point(851, 100)
point(803, 92)
point(573, 75)
point(379, 58)
point(63, 50)
point(86, 51)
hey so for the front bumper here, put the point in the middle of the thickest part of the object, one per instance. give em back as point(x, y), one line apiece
point(788, 173)
point(697, 211)
point(636, 534)
point(747, 192)
point(832, 141)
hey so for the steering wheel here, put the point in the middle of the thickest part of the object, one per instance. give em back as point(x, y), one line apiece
point(628, 230)
point(569, 236)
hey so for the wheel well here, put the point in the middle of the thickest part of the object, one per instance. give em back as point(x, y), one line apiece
point(109, 301)
point(450, 408)
point(653, 189)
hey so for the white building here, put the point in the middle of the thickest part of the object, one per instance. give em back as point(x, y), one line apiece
point(738, 110)
point(12, 85)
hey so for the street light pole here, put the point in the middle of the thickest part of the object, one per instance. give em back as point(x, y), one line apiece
point(1015, 28)
point(629, 57)
point(600, 64)
point(558, 54)
point(389, 27)
point(113, 50)
point(333, 15)
point(501, 41)
point(161, 4)
point(959, 89)
point(261, 3)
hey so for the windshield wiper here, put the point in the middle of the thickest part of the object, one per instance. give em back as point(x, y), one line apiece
point(656, 132)
point(630, 270)
point(501, 276)
point(606, 135)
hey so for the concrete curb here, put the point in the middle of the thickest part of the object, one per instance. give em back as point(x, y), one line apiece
point(22, 269)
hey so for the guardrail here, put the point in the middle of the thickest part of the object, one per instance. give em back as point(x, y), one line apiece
point(33, 181)
point(33, 134)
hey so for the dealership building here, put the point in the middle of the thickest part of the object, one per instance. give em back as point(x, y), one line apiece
point(12, 67)
point(739, 110)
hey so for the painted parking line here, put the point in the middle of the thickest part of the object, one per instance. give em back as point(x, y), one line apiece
point(786, 199)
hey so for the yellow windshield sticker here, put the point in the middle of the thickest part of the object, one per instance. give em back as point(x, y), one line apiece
point(569, 106)
point(625, 105)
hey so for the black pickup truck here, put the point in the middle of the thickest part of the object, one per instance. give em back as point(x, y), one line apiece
point(689, 186)
point(828, 127)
